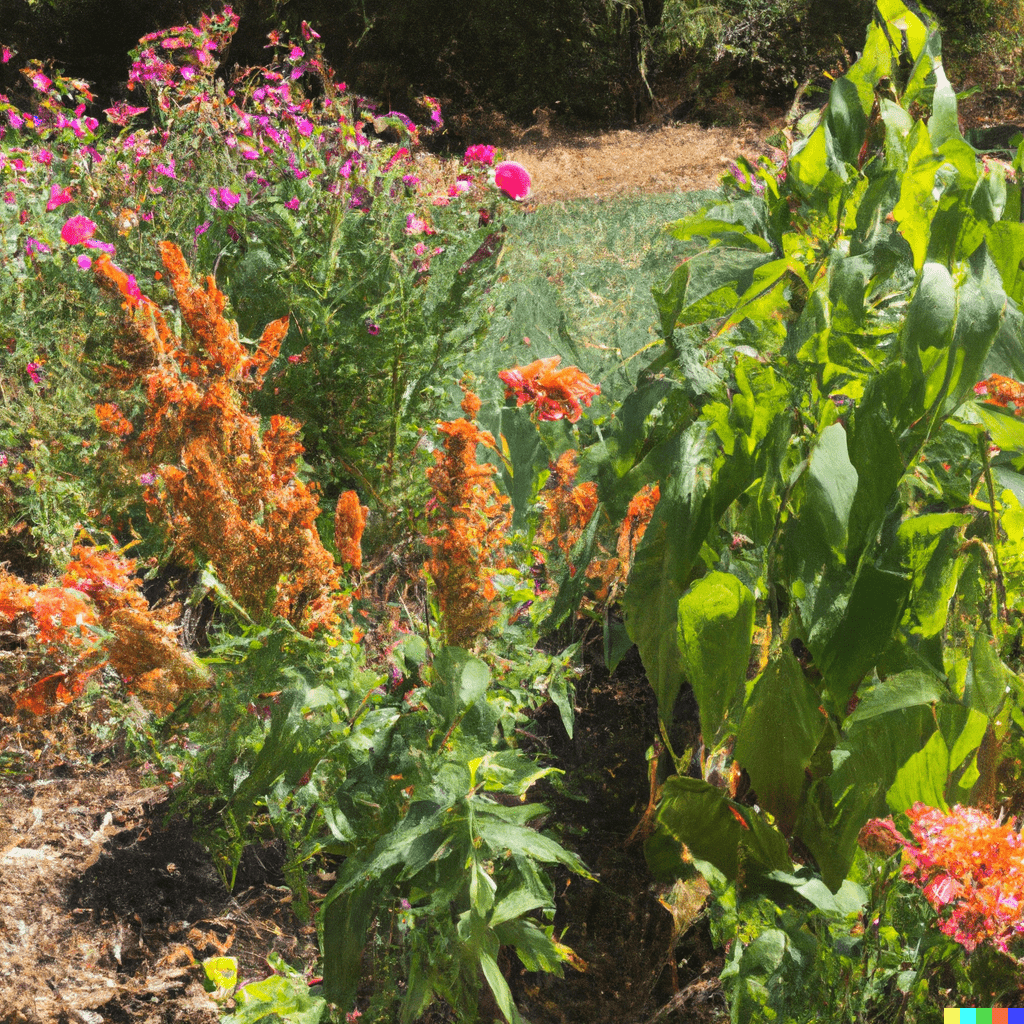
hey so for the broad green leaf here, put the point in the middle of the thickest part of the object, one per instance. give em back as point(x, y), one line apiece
point(830, 484)
point(850, 898)
point(923, 778)
point(459, 680)
point(1006, 245)
point(503, 838)
point(716, 623)
point(904, 690)
point(865, 763)
point(527, 458)
point(847, 118)
point(344, 922)
point(864, 631)
point(781, 728)
point(1005, 429)
point(913, 211)
point(989, 680)
point(931, 543)
point(717, 829)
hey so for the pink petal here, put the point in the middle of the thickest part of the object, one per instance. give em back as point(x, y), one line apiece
point(513, 179)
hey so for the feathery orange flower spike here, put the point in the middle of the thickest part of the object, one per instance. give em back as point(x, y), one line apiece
point(555, 394)
point(1002, 391)
point(230, 492)
point(349, 523)
point(470, 521)
point(568, 507)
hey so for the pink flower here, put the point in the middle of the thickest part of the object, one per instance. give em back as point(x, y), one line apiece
point(58, 196)
point(223, 195)
point(40, 82)
point(479, 155)
point(416, 225)
point(293, 203)
point(84, 262)
point(77, 230)
point(34, 245)
point(5, 56)
point(32, 369)
point(513, 179)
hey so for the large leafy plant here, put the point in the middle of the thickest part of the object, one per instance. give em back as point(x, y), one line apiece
point(849, 299)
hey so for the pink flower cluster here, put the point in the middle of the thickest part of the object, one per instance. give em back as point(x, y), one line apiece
point(970, 868)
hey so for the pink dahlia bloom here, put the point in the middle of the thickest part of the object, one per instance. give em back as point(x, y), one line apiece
point(513, 179)
point(77, 230)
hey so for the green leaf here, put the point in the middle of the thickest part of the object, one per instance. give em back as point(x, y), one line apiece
point(931, 543)
point(344, 922)
point(923, 778)
point(503, 838)
point(904, 690)
point(781, 728)
point(864, 631)
point(221, 973)
point(1006, 245)
point(718, 830)
point(527, 459)
point(716, 623)
point(830, 484)
point(989, 680)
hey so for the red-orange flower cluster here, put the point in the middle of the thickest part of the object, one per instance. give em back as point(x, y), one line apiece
point(98, 589)
point(112, 420)
point(555, 394)
point(969, 866)
point(1002, 391)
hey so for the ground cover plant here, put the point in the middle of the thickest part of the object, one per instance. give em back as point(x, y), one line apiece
point(324, 582)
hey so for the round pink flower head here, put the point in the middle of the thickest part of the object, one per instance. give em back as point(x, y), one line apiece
point(513, 179)
point(77, 230)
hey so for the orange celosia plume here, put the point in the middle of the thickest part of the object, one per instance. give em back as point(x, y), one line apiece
point(229, 493)
point(470, 520)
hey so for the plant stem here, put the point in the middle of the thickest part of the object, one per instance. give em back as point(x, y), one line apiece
point(999, 594)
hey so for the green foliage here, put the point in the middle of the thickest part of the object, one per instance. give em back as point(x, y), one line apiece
point(854, 298)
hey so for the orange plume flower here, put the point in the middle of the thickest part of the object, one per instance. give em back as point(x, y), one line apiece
point(470, 520)
point(229, 494)
point(349, 523)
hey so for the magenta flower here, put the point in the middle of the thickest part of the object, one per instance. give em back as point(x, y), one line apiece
point(5, 54)
point(147, 479)
point(32, 369)
point(58, 197)
point(34, 245)
point(293, 203)
point(84, 262)
point(40, 82)
point(372, 328)
point(77, 229)
point(479, 155)
point(416, 225)
point(513, 179)
point(223, 196)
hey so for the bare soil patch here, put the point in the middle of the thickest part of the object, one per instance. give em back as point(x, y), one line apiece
point(604, 165)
